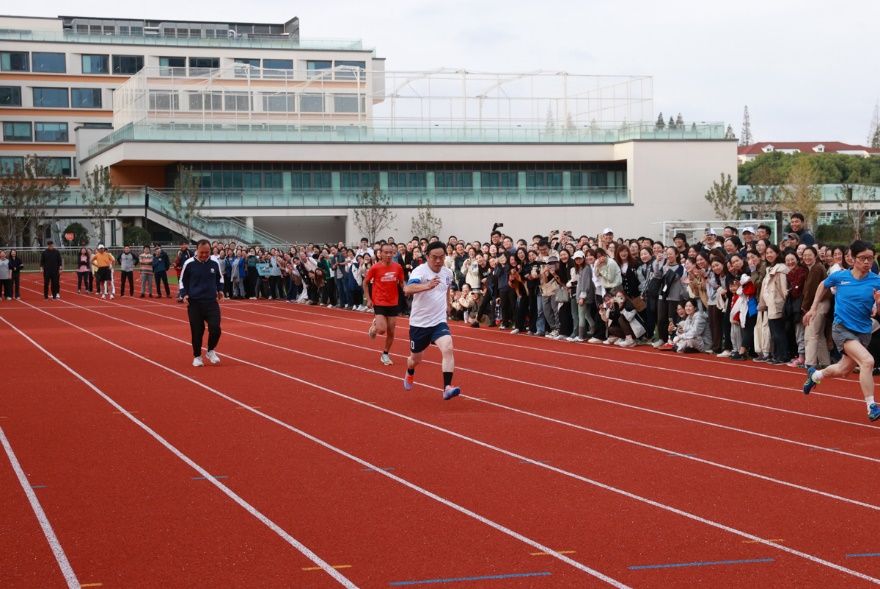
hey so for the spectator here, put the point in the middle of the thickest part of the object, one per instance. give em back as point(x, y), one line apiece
point(127, 263)
point(161, 264)
point(5, 277)
point(145, 264)
point(15, 266)
point(798, 228)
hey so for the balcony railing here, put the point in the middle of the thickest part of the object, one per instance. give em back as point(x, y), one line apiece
point(828, 193)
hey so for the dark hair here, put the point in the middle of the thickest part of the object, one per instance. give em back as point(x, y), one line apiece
point(765, 228)
point(736, 241)
point(202, 242)
point(543, 242)
point(775, 249)
point(812, 249)
point(433, 246)
point(797, 216)
point(859, 246)
point(732, 228)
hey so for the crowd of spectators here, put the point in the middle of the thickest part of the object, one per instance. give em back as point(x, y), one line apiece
point(737, 294)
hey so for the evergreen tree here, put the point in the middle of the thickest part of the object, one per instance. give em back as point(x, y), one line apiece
point(729, 133)
point(671, 123)
point(874, 134)
point(745, 137)
point(679, 121)
point(661, 124)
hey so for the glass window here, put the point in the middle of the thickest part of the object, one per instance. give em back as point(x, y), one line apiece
point(51, 97)
point(311, 103)
point(453, 179)
point(206, 101)
point(279, 102)
point(9, 163)
point(407, 180)
point(55, 132)
point(14, 61)
point(127, 64)
point(354, 70)
point(54, 63)
point(95, 64)
point(314, 68)
point(85, 98)
point(17, 131)
point(237, 101)
point(278, 68)
point(498, 180)
point(359, 180)
point(272, 180)
point(244, 67)
point(55, 166)
point(541, 179)
point(164, 100)
point(10, 96)
point(202, 66)
point(345, 102)
point(172, 66)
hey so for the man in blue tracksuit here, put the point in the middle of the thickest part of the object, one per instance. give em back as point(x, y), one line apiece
point(201, 288)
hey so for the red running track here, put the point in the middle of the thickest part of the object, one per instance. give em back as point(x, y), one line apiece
point(628, 466)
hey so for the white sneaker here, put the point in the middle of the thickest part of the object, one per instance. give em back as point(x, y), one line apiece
point(569, 339)
point(724, 354)
point(58, 297)
point(212, 357)
point(329, 306)
point(514, 331)
point(657, 343)
point(627, 343)
point(385, 359)
point(594, 340)
point(111, 297)
point(103, 296)
point(197, 362)
point(610, 340)
point(579, 340)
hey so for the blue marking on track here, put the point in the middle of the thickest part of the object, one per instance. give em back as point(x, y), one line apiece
point(465, 579)
point(676, 565)
point(864, 555)
point(216, 476)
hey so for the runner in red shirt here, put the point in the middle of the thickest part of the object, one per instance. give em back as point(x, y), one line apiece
point(382, 284)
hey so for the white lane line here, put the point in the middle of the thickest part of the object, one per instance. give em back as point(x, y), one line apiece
point(690, 358)
point(51, 538)
point(533, 384)
point(302, 548)
point(665, 451)
point(480, 443)
point(484, 520)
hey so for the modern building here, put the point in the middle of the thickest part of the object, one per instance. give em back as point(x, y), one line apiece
point(284, 133)
point(747, 153)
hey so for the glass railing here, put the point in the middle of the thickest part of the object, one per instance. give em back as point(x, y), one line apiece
point(259, 133)
point(256, 42)
point(830, 193)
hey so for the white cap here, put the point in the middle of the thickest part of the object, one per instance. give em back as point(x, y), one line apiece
point(711, 231)
point(578, 254)
point(749, 230)
point(101, 246)
point(607, 230)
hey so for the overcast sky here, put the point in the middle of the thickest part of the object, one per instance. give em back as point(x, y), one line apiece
point(807, 69)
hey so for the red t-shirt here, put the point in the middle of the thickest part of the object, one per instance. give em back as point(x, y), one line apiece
point(385, 280)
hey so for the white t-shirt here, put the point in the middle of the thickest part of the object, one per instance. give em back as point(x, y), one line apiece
point(429, 307)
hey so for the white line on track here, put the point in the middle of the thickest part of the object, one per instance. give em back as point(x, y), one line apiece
point(533, 384)
point(484, 520)
point(54, 544)
point(302, 548)
point(588, 347)
point(486, 445)
point(665, 451)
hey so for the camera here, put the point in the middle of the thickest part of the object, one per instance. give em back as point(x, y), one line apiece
point(495, 226)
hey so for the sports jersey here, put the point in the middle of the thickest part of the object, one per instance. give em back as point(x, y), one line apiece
point(385, 280)
point(429, 307)
point(854, 300)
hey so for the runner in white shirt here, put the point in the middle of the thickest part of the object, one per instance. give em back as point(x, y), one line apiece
point(429, 284)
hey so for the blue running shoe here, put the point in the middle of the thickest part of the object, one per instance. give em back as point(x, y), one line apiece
point(809, 383)
point(408, 380)
point(874, 412)
point(452, 391)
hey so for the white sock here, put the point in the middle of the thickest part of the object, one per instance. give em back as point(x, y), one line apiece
point(817, 376)
point(869, 401)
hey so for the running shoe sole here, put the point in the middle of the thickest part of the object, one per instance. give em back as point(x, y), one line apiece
point(451, 393)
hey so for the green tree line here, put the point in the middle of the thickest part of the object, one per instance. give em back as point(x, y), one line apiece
point(829, 168)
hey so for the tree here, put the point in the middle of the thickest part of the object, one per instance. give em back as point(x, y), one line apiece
point(549, 121)
point(671, 123)
point(80, 235)
point(426, 223)
point(874, 133)
point(801, 194)
point(660, 124)
point(569, 122)
point(100, 198)
point(136, 236)
point(722, 197)
point(186, 200)
point(853, 200)
point(728, 134)
point(679, 122)
point(28, 195)
point(372, 213)
point(763, 194)
point(745, 137)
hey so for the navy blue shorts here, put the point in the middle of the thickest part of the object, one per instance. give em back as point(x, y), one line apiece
point(422, 337)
